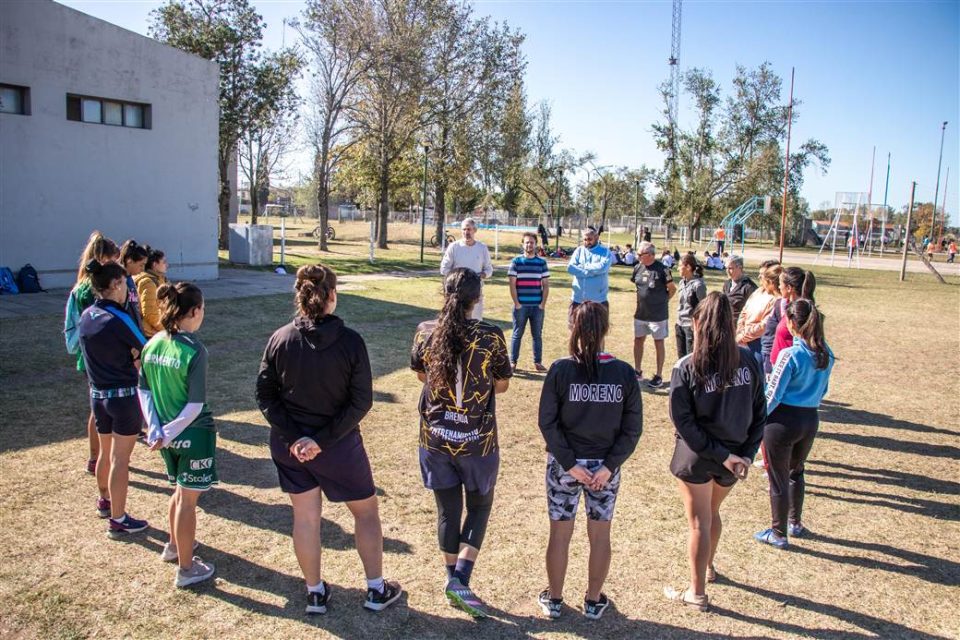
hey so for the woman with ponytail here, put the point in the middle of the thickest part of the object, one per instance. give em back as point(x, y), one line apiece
point(718, 410)
point(591, 418)
point(148, 281)
point(692, 291)
point(133, 258)
point(104, 251)
point(797, 385)
point(314, 388)
point(110, 342)
point(795, 283)
point(173, 399)
point(463, 364)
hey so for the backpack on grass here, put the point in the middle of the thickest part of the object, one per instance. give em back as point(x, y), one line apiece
point(28, 279)
point(8, 286)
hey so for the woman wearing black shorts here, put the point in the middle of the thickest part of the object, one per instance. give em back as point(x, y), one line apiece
point(111, 343)
point(591, 417)
point(718, 409)
point(463, 364)
point(314, 387)
point(797, 385)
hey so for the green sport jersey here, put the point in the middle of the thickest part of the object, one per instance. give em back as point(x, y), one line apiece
point(174, 370)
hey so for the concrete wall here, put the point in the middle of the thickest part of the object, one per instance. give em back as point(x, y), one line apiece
point(60, 179)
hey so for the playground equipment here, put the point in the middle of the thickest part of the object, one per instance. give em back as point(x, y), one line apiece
point(739, 217)
point(847, 204)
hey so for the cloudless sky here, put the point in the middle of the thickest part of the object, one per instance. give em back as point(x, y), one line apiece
point(884, 74)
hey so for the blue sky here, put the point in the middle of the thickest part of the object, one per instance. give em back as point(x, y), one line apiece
point(868, 73)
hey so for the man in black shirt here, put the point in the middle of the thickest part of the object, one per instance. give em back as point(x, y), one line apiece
point(654, 289)
point(739, 287)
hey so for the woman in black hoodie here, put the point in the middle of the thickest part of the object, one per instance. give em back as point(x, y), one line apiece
point(314, 387)
point(718, 408)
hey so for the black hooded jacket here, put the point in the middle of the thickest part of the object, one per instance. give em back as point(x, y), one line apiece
point(315, 381)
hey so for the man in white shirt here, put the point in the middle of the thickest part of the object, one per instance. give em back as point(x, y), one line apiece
point(470, 254)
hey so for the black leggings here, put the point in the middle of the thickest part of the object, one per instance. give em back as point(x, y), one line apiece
point(787, 440)
point(450, 512)
point(684, 340)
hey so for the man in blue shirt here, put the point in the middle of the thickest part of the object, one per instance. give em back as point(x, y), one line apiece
point(529, 287)
point(590, 268)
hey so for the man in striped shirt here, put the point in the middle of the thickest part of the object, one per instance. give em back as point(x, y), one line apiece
point(529, 288)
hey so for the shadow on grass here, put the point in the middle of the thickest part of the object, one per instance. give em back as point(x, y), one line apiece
point(841, 413)
point(919, 506)
point(892, 444)
point(892, 477)
point(872, 627)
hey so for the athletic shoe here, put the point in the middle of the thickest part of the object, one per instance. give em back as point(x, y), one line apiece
point(103, 507)
point(539, 367)
point(92, 466)
point(797, 530)
point(551, 607)
point(463, 597)
point(770, 537)
point(169, 553)
point(380, 600)
point(198, 572)
point(655, 382)
point(317, 602)
point(594, 609)
point(117, 530)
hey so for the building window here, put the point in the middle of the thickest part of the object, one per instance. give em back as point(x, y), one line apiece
point(104, 111)
point(14, 99)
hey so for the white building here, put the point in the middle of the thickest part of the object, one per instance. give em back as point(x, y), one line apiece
point(103, 128)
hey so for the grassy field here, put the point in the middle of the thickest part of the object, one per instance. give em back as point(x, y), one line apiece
point(883, 493)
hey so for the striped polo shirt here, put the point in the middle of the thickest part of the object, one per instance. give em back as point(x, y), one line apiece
point(530, 274)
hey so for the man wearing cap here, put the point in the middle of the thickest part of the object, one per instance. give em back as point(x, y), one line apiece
point(590, 267)
point(468, 253)
point(655, 287)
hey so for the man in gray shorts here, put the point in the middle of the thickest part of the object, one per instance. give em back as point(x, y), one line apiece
point(655, 287)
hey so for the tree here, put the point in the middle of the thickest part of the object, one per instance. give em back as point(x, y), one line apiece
point(269, 121)
point(336, 34)
point(543, 180)
point(229, 32)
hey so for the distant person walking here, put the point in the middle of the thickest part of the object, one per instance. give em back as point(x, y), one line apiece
point(720, 237)
point(111, 344)
point(752, 321)
point(529, 277)
point(468, 253)
point(148, 281)
point(797, 385)
point(591, 418)
point(739, 287)
point(655, 287)
point(590, 267)
point(692, 292)
point(718, 410)
point(951, 251)
point(173, 398)
point(314, 388)
point(463, 364)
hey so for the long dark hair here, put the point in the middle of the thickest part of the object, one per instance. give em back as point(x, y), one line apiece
point(315, 284)
point(591, 321)
point(102, 276)
point(801, 281)
point(691, 261)
point(715, 351)
point(461, 290)
point(153, 256)
point(176, 301)
point(130, 251)
point(808, 321)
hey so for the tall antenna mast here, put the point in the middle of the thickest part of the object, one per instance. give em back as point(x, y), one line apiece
point(674, 74)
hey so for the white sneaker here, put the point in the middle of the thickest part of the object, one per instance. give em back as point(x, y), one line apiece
point(169, 553)
point(198, 572)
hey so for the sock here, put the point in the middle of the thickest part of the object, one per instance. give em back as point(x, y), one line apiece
point(463, 570)
point(316, 588)
point(120, 519)
point(376, 584)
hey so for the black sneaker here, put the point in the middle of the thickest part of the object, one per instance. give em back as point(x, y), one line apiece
point(380, 600)
point(317, 602)
point(594, 610)
point(551, 607)
point(655, 382)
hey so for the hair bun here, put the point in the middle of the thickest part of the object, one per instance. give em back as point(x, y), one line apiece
point(93, 266)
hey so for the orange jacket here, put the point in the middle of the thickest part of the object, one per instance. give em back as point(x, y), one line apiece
point(147, 285)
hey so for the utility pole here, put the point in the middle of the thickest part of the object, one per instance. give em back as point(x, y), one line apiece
point(423, 205)
point(636, 216)
point(786, 169)
point(906, 236)
point(936, 192)
point(886, 190)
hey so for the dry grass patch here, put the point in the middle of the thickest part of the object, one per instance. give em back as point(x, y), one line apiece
point(884, 497)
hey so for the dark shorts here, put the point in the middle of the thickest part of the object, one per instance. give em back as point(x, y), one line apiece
point(689, 466)
point(119, 416)
point(342, 470)
point(443, 471)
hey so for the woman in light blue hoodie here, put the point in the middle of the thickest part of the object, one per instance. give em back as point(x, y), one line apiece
point(796, 387)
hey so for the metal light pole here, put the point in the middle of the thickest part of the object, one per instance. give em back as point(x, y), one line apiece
point(906, 236)
point(636, 213)
point(423, 210)
point(936, 192)
point(557, 212)
point(786, 169)
point(886, 191)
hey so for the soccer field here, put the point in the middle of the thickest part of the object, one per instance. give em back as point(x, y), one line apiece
point(882, 485)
